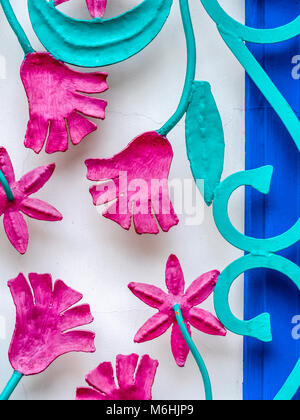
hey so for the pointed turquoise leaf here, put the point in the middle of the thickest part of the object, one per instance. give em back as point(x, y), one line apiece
point(205, 140)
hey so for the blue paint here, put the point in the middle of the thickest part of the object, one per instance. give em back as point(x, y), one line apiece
point(268, 365)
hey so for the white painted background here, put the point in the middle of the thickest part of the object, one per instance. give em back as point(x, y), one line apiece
point(96, 256)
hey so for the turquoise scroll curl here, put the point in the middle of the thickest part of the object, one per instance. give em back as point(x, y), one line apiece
point(97, 42)
point(235, 34)
point(261, 254)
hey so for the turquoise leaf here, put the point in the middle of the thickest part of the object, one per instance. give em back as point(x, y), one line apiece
point(205, 140)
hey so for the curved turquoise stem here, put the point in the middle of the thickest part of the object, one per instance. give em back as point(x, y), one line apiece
point(11, 386)
point(190, 72)
point(6, 187)
point(195, 352)
point(17, 28)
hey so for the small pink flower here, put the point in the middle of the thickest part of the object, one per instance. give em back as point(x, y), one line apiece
point(56, 99)
point(139, 182)
point(14, 223)
point(96, 7)
point(197, 293)
point(43, 323)
point(133, 384)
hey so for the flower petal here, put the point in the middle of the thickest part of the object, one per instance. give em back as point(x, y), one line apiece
point(6, 166)
point(119, 216)
point(151, 295)
point(104, 193)
point(145, 377)
point(58, 137)
point(64, 297)
point(96, 7)
point(92, 107)
point(89, 82)
point(102, 169)
point(42, 289)
point(162, 206)
point(37, 131)
point(126, 366)
point(40, 210)
point(206, 322)
point(174, 276)
point(77, 341)
point(180, 349)
point(36, 179)
point(144, 222)
point(153, 328)
point(88, 394)
point(102, 378)
point(16, 230)
point(79, 127)
point(22, 297)
point(202, 287)
point(76, 317)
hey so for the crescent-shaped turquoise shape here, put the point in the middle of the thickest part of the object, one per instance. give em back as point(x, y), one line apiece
point(98, 42)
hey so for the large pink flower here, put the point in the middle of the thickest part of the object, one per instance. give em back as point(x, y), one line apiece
point(55, 99)
point(96, 7)
point(14, 223)
point(43, 323)
point(133, 384)
point(139, 181)
point(199, 291)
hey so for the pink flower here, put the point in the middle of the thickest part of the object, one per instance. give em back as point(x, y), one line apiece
point(132, 384)
point(139, 181)
point(43, 323)
point(55, 102)
point(197, 293)
point(14, 223)
point(96, 7)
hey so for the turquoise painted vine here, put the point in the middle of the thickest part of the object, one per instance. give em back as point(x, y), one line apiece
point(101, 42)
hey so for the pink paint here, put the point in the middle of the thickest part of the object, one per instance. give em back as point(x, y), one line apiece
point(42, 319)
point(56, 100)
point(96, 7)
point(139, 182)
point(133, 384)
point(14, 223)
point(197, 293)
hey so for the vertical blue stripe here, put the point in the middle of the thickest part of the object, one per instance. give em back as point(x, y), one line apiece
point(267, 366)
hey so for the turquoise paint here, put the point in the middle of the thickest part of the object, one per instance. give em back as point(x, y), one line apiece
point(190, 72)
point(6, 187)
point(195, 352)
point(205, 140)
point(291, 386)
point(17, 28)
point(260, 179)
point(261, 255)
point(97, 42)
point(11, 386)
point(234, 34)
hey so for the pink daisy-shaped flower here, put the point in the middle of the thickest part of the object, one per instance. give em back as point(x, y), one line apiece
point(44, 322)
point(96, 7)
point(197, 293)
point(56, 102)
point(14, 223)
point(133, 383)
point(139, 183)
